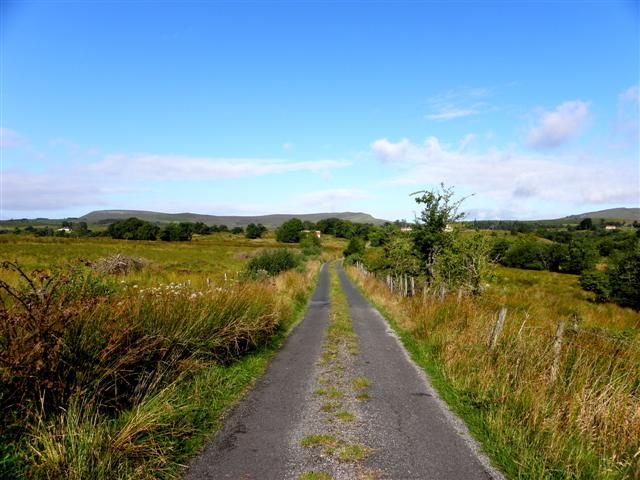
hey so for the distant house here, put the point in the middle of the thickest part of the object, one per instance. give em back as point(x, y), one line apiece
point(610, 227)
point(316, 233)
point(64, 229)
point(405, 229)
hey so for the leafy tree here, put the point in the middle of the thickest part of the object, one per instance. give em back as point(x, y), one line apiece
point(401, 257)
point(596, 282)
point(177, 232)
point(237, 230)
point(201, 229)
point(83, 229)
point(355, 247)
point(439, 211)
point(464, 262)
point(529, 253)
point(133, 229)
point(624, 278)
point(289, 231)
point(255, 231)
point(586, 224)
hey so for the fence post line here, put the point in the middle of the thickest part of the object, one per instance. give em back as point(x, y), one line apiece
point(498, 327)
point(557, 348)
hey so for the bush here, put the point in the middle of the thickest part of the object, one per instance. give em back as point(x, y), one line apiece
point(355, 247)
point(133, 229)
point(272, 262)
point(596, 282)
point(624, 278)
point(311, 245)
point(255, 231)
point(289, 231)
point(527, 253)
point(177, 232)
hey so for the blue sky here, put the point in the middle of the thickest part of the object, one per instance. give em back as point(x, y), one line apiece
point(297, 107)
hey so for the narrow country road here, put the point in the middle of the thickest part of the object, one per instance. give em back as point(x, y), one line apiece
point(333, 408)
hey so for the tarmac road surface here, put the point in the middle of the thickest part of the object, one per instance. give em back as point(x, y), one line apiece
point(406, 429)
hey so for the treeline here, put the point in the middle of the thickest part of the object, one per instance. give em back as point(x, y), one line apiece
point(136, 229)
point(541, 227)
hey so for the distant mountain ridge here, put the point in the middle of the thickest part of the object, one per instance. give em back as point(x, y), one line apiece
point(627, 214)
point(271, 221)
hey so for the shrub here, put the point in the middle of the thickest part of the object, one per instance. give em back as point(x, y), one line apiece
point(311, 245)
point(272, 262)
point(255, 231)
point(355, 247)
point(596, 282)
point(624, 278)
point(133, 229)
point(289, 231)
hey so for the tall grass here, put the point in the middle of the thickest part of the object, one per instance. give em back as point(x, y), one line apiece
point(582, 422)
point(109, 386)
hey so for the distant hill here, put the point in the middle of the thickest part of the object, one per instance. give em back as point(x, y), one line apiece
point(270, 221)
point(627, 214)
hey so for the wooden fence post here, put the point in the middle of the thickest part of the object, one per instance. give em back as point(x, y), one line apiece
point(557, 348)
point(497, 328)
point(443, 292)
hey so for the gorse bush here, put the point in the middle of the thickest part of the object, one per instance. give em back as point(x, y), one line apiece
point(272, 262)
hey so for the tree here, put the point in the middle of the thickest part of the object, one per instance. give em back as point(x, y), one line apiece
point(624, 278)
point(133, 229)
point(465, 262)
point(355, 247)
point(177, 232)
point(255, 231)
point(237, 230)
point(289, 231)
point(586, 224)
point(430, 230)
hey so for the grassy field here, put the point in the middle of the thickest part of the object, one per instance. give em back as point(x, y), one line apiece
point(214, 257)
point(544, 403)
point(126, 376)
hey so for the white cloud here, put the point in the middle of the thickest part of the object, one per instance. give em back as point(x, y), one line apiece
point(457, 103)
point(180, 167)
point(10, 138)
point(511, 177)
point(333, 199)
point(631, 95)
point(466, 140)
point(25, 191)
point(95, 184)
point(626, 129)
point(560, 125)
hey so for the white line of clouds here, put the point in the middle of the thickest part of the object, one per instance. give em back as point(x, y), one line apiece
point(508, 177)
point(560, 125)
point(180, 167)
